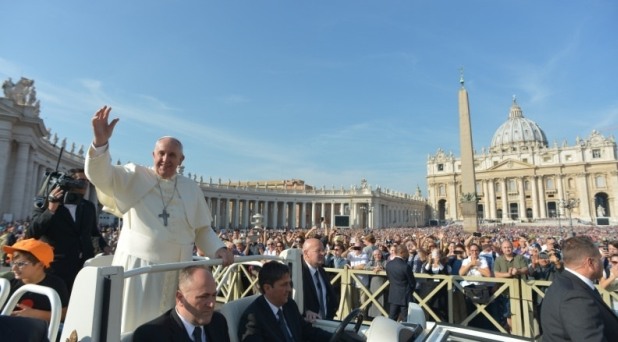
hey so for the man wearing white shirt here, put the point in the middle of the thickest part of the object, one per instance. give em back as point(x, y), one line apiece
point(273, 316)
point(194, 317)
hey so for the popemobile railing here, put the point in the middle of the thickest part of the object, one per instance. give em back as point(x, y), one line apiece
point(443, 300)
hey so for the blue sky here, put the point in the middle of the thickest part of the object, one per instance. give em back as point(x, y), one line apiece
point(326, 91)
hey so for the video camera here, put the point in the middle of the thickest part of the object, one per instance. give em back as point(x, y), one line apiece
point(63, 181)
point(57, 179)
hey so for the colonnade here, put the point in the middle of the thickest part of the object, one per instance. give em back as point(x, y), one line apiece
point(234, 208)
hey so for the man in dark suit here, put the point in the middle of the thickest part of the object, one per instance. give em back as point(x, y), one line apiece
point(193, 319)
point(273, 316)
point(68, 223)
point(320, 300)
point(402, 284)
point(23, 329)
point(572, 309)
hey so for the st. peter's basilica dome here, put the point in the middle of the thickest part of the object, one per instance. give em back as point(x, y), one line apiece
point(518, 132)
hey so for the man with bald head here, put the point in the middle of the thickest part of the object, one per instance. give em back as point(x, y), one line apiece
point(320, 299)
point(164, 215)
point(194, 314)
point(572, 309)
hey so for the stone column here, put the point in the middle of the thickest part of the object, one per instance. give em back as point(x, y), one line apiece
point(288, 215)
point(216, 212)
point(5, 153)
point(542, 204)
point(226, 210)
point(451, 202)
point(378, 218)
point(522, 199)
point(486, 200)
point(535, 197)
point(506, 210)
point(582, 185)
point(245, 213)
point(303, 213)
point(492, 199)
point(313, 213)
point(235, 212)
point(275, 214)
point(265, 213)
point(293, 216)
point(19, 180)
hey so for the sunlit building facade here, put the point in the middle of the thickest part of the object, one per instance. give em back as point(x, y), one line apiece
point(521, 178)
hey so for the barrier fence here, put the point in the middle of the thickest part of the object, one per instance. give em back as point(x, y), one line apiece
point(441, 297)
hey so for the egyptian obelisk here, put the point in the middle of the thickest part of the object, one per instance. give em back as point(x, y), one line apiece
point(468, 198)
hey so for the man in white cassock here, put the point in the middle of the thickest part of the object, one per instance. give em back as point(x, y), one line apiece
point(164, 214)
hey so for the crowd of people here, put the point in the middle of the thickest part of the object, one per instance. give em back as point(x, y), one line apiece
point(508, 251)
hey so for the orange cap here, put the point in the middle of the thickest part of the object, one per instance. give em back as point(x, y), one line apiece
point(41, 250)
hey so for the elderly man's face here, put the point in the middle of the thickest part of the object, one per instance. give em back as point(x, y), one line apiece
point(167, 156)
point(313, 252)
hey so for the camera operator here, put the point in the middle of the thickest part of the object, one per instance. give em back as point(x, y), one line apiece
point(68, 223)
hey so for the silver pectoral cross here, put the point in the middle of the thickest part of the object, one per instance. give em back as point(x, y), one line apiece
point(164, 215)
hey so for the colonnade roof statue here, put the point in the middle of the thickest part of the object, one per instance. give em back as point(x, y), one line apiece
point(22, 93)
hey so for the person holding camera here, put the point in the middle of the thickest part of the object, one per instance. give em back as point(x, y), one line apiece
point(68, 223)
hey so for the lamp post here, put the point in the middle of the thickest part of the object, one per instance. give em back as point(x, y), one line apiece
point(569, 204)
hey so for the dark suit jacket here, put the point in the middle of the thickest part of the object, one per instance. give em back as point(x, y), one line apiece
point(310, 295)
point(402, 281)
point(572, 312)
point(259, 323)
point(169, 328)
point(72, 240)
point(22, 329)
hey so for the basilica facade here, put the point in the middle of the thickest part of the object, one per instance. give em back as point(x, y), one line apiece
point(521, 178)
point(29, 150)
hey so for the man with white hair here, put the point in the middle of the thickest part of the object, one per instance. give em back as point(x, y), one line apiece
point(270, 247)
point(320, 299)
point(164, 215)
